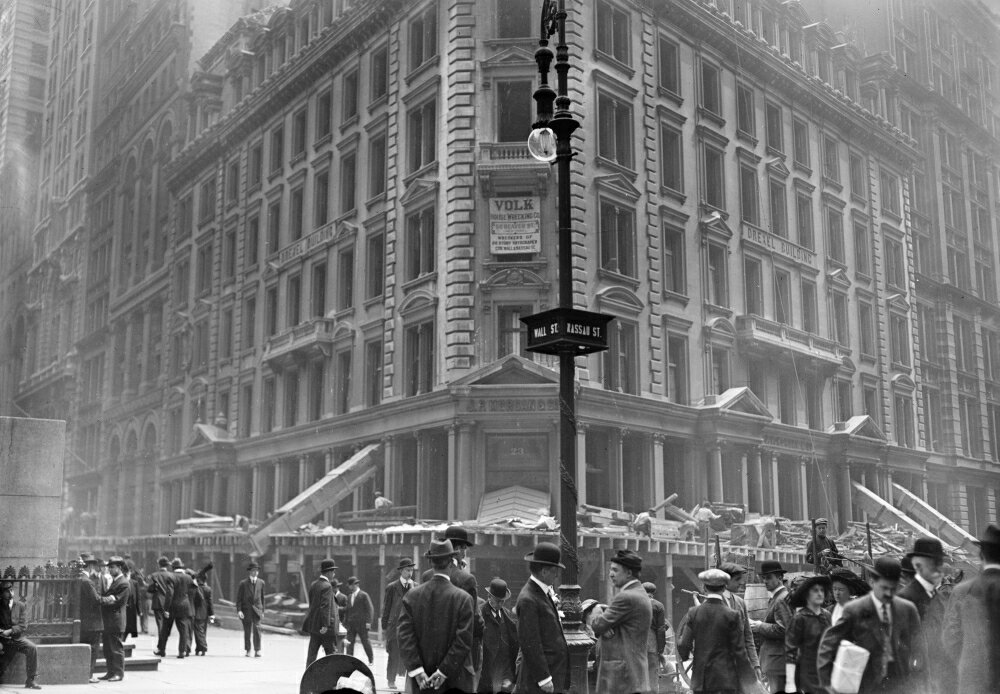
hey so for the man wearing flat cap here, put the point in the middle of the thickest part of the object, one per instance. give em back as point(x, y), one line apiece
point(888, 627)
point(771, 630)
point(544, 653)
point(113, 602)
point(623, 629)
point(714, 634)
point(731, 596)
point(250, 607)
point(13, 622)
point(322, 622)
point(971, 633)
point(826, 547)
point(924, 591)
point(392, 603)
point(435, 629)
point(500, 643)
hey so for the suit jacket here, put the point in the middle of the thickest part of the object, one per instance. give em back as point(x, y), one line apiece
point(161, 588)
point(201, 600)
point(18, 619)
point(714, 633)
point(435, 633)
point(392, 603)
point(250, 599)
point(656, 640)
point(499, 648)
point(772, 634)
point(860, 625)
point(735, 602)
point(180, 608)
point(322, 608)
point(623, 629)
point(544, 652)
point(113, 601)
point(971, 633)
point(940, 666)
point(361, 612)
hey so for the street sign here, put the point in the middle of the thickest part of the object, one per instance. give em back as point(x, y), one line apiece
point(567, 330)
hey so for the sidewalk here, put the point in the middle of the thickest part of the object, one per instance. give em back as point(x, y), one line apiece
point(225, 670)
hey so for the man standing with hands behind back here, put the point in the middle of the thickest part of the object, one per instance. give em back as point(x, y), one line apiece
point(250, 607)
point(544, 653)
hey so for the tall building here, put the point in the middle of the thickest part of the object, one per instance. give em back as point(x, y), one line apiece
point(352, 228)
point(24, 30)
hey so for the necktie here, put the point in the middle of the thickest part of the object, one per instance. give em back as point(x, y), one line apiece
point(886, 640)
point(352, 599)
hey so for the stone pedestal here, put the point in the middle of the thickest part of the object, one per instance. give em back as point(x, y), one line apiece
point(577, 639)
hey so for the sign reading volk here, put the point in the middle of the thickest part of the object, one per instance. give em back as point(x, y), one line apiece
point(515, 225)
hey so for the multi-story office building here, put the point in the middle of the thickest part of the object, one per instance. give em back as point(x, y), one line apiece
point(353, 228)
point(24, 30)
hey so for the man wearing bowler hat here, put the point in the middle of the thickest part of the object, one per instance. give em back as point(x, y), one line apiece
point(544, 653)
point(972, 623)
point(499, 641)
point(250, 607)
point(624, 629)
point(321, 622)
point(392, 602)
point(113, 601)
point(91, 621)
point(435, 629)
point(924, 591)
point(771, 631)
point(887, 627)
point(358, 613)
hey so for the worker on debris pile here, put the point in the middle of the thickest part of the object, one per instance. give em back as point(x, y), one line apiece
point(925, 592)
point(704, 514)
point(382, 505)
point(771, 631)
point(732, 597)
point(827, 548)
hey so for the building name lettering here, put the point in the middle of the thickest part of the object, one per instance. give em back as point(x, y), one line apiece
point(778, 244)
point(306, 244)
point(514, 405)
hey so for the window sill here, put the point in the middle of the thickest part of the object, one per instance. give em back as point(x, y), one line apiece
point(892, 215)
point(253, 188)
point(676, 297)
point(676, 98)
point(746, 137)
point(618, 278)
point(422, 171)
point(616, 166)
point(322, 140)
point(832, 183)
point(677, 196)
point(421, 69)
point(860, 199)
point(375, 200)
point(775, 152)
point(274, 173)
point(381, 100)
point(899, 366)
point(715, 118)
point(623, 67)
point(297, 157)
point(718, 310)
point(342, 313)
point(867, 358)
point(349, 122)
point(374, 301)
point(419, 281)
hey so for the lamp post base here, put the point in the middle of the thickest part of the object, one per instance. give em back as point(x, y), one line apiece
point(578, 639)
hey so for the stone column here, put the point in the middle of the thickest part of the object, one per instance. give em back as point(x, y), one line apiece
point(581, 463)
point(715, 492)
point(422, 481)
point(745, 481)
point(846, 495)
point(755, 481)
point(617, 491)
point(468, 489)
point(804, 486)
point(452, 482)
point(775, 505)
point(185, 498)
point(256, 492)
point(219, 500)
point(161, 511)
point(659, 474)
point(924, 491)
point(305, 479)
point(890, 493)
point(140, 510)
point(327, 467)
point(279, 485)
point(146, 377)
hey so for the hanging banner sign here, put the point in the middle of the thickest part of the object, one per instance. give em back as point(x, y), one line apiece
point(515, 225)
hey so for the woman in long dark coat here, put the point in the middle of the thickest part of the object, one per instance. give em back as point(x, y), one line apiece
point(803, 634)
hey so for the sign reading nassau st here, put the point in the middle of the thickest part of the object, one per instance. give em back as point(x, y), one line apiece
point(515, 225)
point(562, 330)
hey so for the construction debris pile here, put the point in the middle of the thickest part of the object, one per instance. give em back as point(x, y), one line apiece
point(203, 523)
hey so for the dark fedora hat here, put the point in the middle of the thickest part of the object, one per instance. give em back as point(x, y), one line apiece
point(929, 547)
point(771, 567)
point(118, 561)
point(253, 565)
point(87, 558)
point(906, 567)
point(458, 535)
point(801, 592)
point(854, 584)
point(163, 561)
point(405, 563)
point(546, 553)
point(888, 568)
point(990, 537)
point(176, 563)
point(498, 589)
point(440, 549)
point(628, 559)
point(327, 565)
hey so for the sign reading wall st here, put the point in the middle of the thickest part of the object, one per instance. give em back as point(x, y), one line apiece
point(567, 330)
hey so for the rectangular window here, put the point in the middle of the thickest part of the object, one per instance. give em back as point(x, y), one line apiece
point(203, 270)
point(291, 398)
point(804, 215)
point(711, 95)
point(745, 121)
point(515, 110)
point(862, 252)
point(958, 268)
point(277, 149)
point(273, 227)
point(749, 211)
point(324, 115)
point(927, 333)
point(674, 279)
point(899, 340)
point(418, 346)
point(845, 408)
point(293, 307)
point(618, 252)
point(621, 358)
point(800, 142)
point(613, 33)
point(835, 235)
point(245, 415)
point(380, 73)
point(512, 336)
point(299, 123)
point(206, 201)
point(775, 128)
point(233, 182)
point(376, 166)
point(229, 255)
point(718, 284)
point(714, 191)
point(316, 388)
point(831, 159)
point(249, 322)
point(670, 77)
point(786, 397)
point(318, 290)
point(810, 310)
point(343, 361)
point(296, 214)
point(614, 130)
point(965, 346)
point(779, 208)
point(841, 333)
point(348, 185)
point(375, 266)
point(199, 348)
point(420, 243)
point(991, 354)
point(754, 286)
point(321, 199)
point(422, 130)
point(423, 37)
point(349, 96)
point(782, 297)
point(968, 414)
point(267, 411)
point(866, 326)
point(255, 167)
point(226, 334)
point(932, 426)
point(345, 279)
point(895, 267)
point(271, 311)
point(373, 372)
point(890, 193)
point(671, 158)
point(720, 370)
point(677, 371)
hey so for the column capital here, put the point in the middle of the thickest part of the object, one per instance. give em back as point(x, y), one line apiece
point(581, 427)
point(658, 439)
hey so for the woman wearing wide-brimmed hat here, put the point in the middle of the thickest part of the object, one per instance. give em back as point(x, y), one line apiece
point(804, 633)
point(845, 586)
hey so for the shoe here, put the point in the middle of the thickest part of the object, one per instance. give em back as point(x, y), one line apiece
point(181, 656)
point(30, 684)
point(116, 678)
point(248, 654)
point(391, 685)
point(94, 679)
point(256, 654)
point(106, 677)
point(162, 654)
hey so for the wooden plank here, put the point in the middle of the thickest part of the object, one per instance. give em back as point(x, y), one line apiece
point(929, 516)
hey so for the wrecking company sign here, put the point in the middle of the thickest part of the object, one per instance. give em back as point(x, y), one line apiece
point(515, 225)
point(567, 330)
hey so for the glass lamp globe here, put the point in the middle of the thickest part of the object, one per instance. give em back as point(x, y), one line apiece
point(542, 144)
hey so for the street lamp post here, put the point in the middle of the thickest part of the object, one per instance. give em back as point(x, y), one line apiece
point(565, 331)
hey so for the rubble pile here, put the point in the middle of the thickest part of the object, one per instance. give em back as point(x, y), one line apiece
point(203, 523)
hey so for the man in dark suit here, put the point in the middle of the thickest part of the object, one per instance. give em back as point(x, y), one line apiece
point(771, 631)
point(731, 596)
point(888, 627)
point(250, 607)
point(931, 602)
point(202, 611)
point(544, 653)
point(624, 629)
point(392, 602)
point(160, 587)
point(500, 644)
point(322, 622)
point(113, 605)
point(656, 639)
point(91, 621)
point(971, 634)
point(714, 633)
point(179, 612)
point(358, 615)
point(435, 629)
point(13, 623)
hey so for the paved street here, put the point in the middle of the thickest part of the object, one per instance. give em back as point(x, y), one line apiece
point(223, 670)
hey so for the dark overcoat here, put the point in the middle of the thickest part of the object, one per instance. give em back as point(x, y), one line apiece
point(624, 630)
point(250, 599)
point(971, 633)
point(113, 601)
point(940, 668)
point(544, 652)
point(499, 648)
point(714, 634)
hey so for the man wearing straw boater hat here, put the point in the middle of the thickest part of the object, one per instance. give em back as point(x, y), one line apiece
point(435, 629)
point(499, 641)
point(887, 627)
point(972, 623)
point(771, 631)
point(392, 603)
point(623, 629)
point(925, 592)
point(544, 653)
